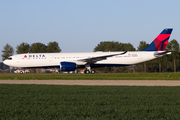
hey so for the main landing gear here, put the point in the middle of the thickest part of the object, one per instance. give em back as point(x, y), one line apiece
point(88, 69)
point(88, 72)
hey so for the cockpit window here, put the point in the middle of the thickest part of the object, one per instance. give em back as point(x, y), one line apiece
point(9, 58)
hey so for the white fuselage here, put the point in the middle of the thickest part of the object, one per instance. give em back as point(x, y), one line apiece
point(54, 59)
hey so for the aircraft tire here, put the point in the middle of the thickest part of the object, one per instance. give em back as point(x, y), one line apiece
point(87, 72)
point(92, 72)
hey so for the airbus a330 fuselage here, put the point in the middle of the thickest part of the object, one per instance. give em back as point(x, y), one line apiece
point(71, 61)
point(54, 59)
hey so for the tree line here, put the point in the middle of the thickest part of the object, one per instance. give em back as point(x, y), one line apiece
point(170, 63)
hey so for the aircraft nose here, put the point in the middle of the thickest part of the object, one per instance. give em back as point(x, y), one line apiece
point(5, 62)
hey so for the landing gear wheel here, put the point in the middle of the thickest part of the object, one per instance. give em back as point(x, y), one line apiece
point(86, 71)
point(92, 72)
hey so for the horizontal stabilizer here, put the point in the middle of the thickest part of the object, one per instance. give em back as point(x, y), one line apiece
point(159, 54)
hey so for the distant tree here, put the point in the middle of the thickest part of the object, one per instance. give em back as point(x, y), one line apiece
point(23, 48)
point(142, 45)
point(8, 51)
point(113, 46)
point(107, 46)
point(128, 47)
point(173, 46)
point(38, 48)
point(53, 47)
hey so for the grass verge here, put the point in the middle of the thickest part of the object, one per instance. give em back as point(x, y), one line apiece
point(88, 102)
point(117, 76)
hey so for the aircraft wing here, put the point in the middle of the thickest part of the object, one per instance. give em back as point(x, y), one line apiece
point(99, 58)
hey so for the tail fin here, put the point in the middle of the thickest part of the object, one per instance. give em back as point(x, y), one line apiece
point(160, 42)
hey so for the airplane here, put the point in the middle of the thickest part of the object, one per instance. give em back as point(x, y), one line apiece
point(72, 61)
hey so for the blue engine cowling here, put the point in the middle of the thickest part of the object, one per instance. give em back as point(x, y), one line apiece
point(67, 66)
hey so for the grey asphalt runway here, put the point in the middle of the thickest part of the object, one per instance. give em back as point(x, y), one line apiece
point(97, 82)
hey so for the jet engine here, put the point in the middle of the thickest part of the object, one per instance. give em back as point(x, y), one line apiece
point(67, 66)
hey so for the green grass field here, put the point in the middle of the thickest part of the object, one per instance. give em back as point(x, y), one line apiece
point(88, 102)
point(117, 76)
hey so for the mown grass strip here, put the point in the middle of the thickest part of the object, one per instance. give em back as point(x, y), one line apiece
point(117, 76)
point(88, 102)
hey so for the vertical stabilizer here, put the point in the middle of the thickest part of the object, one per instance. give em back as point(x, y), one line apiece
point(160, 42)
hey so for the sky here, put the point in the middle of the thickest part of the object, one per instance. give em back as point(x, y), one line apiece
point(80, 25)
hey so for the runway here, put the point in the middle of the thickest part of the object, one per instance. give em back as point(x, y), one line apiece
point(97, 82)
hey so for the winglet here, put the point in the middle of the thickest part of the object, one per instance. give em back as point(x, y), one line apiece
point(160, 42)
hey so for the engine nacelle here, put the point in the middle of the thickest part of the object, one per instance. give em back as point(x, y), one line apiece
point(67, 66)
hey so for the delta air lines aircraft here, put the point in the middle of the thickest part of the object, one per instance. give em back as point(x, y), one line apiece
point(71, 61)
